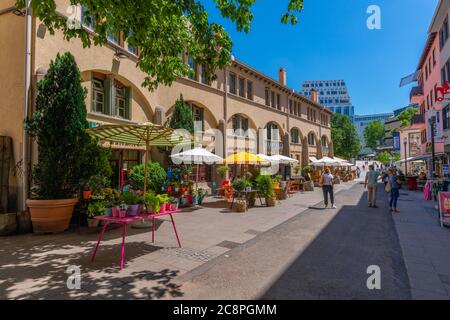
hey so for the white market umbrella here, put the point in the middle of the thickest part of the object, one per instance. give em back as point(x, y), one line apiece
point(196, 156)
point(326, 161)
point(282, 159)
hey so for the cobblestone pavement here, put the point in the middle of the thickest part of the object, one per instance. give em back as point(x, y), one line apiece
point(34, 266)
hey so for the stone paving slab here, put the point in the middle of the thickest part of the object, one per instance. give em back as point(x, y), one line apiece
point(34, 266)
point(423, 241)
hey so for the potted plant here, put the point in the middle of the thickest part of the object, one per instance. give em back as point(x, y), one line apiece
point(132, 200)
point(163, 201)
point(306, 173)
point(277, 182)
point(58, 125)
point(111, 198)
point(95, 208)
point(156, 176)
point(222, 172)
point(265, 187)
point(173, 203)
point(152, 202)
point(297, 169)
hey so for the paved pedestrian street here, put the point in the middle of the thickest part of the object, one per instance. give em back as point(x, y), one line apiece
point(297, 250)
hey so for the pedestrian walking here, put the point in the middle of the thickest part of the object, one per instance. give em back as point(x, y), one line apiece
point(371, 184)
point(358, 172)
point(326, 181)
point(394, 186)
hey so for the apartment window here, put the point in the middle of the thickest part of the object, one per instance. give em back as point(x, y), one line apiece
point(279, 101)
point(232, 82)
point(434, 57)
point(204, 78)
point(193, 65)
point(197, 115)
point(240, 125)
point(267, 97)
point(311, 139)
point(324, 141)
point(272, 131)
point(249, 90)
point(241, 87)
point(446, 118)
point(87, 20)
point(113, 37)
point(291, 107)
point(121, 105)
point(428, 102)
point(98, 96)
point(443, 34)
point(272, 99)
point(295, 135)
point(426, 73)
point(429, 65)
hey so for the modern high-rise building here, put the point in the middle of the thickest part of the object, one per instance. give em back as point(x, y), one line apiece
point(333, 94)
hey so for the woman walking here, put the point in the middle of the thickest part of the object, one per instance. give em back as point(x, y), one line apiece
point(394, 185)
point(327, 187)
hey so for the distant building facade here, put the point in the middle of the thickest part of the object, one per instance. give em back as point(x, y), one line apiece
point(333, 94)
point(361, 122)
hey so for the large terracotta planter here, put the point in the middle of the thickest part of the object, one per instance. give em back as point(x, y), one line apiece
point(51, 216)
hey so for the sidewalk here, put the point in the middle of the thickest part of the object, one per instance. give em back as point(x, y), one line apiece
point(34, 266)
point(425, 246)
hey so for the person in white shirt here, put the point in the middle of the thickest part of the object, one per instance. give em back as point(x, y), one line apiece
point(327, 188)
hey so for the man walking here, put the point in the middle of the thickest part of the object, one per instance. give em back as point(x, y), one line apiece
point(371, 182)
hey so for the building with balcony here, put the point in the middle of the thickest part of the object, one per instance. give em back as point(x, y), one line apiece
point(250, 110)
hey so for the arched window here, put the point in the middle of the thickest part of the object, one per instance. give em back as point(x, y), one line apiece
point(273, 132)
point(311, 139)
point(324, 141)
point(295, 135)
point(198, 116)
point(240, 125)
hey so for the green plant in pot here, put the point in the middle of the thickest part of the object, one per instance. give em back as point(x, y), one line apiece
point(132, 200)
point(95, 208)
point(307, 173)
point(152, 202)
point(222, 172)
point(173, 203)
point(58, 125)
point(240, 186)
point(265, 187)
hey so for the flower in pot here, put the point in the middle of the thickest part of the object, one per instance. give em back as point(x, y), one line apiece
point(58, 125)
point(132, 200)
point(265, 187)
point(95, 208)
point(111, 198)
point(277, 182)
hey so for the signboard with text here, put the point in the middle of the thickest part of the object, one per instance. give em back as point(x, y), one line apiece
point(396, 141)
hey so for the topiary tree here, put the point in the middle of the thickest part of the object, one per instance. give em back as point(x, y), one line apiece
point(156, 175)
point(182, 116)
point(59, 124)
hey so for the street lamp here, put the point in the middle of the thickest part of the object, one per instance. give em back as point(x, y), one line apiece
point(432, 114)
point(405, 142)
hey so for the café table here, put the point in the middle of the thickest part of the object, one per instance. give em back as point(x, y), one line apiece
point(129, 219)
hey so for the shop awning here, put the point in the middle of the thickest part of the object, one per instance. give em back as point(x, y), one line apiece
point(421, 157)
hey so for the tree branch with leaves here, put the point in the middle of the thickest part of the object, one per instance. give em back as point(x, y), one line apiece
point(164, 30)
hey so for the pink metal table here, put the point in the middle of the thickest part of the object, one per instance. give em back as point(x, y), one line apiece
point(124, 221)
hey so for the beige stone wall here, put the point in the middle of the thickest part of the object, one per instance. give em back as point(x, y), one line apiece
point(12, 75)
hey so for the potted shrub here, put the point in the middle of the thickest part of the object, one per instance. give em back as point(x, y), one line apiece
point(222, 172)
point(58, 125)
point(156, 176)
point(309, 184)
point(277, 182)
point(132, 200)
point(265, 188)
point(297, 169)
point(111, 197)
point(95, 208)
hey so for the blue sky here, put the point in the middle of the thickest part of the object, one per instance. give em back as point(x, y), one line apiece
point(331, 41)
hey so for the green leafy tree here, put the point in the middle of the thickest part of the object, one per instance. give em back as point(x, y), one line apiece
point(59, 124)
point(384, 157)
point(182, 116)
point(163, 30)
point(156, 175)
point(345, 137)
point(374, 134)
point(406, 116)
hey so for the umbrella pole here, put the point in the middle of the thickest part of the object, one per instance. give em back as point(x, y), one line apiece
point(147, 147)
